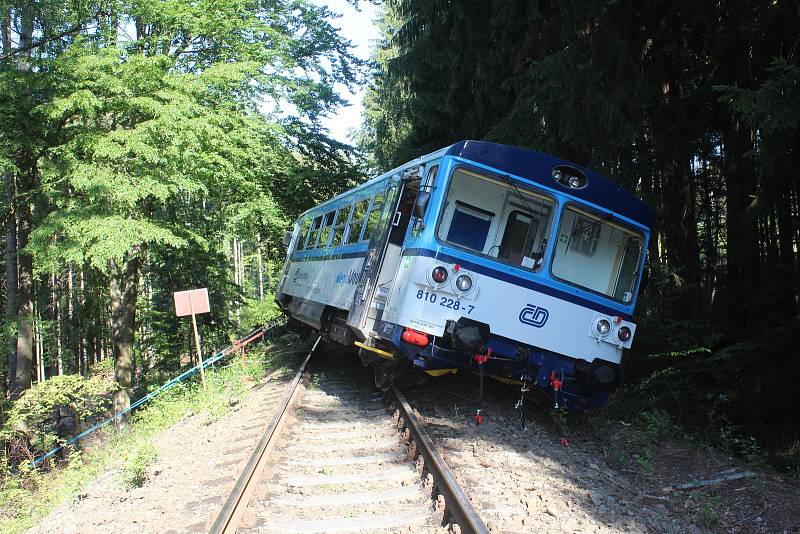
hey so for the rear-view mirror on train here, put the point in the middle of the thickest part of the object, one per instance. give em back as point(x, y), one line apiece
point(421, 204)
point(287, 238)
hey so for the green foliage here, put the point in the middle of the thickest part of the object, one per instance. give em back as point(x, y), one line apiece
point(32, 420)
point(134, 472)
point(708, 506)
point(658, 424)
point(255, 313)
point(645, 460)
point(158, 141)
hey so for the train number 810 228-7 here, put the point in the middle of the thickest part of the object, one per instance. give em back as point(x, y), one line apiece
point(445, 302)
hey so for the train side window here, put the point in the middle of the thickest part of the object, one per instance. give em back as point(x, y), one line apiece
point(304, 234)
point(338, 228)
point(312, 238)
point(353, 231)
point(374, 216)
point(326, 229)
point(470, 226)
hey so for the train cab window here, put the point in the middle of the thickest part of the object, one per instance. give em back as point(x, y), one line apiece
point(469, 226)
point(312, 237)
point(373, 219)
point(338, 228)
point(495, 217)
point(353, 231)
point(326, 229)
point(597, 253)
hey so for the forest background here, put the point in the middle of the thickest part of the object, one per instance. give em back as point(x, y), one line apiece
point(150, 146)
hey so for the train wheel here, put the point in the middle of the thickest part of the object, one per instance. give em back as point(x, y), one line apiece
point(384, 378)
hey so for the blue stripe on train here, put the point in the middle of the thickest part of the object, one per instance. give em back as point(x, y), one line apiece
point(517, 280)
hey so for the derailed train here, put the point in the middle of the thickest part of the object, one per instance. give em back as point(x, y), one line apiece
point(477, 256)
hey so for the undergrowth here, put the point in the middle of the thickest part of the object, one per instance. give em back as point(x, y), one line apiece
point(32, 493)
point(733, 396)
point(134, 472)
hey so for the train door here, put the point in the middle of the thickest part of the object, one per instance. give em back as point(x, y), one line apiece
point(382, 258)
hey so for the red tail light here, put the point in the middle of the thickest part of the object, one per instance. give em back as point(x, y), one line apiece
point(439, 275)
point(624, 334)
point(415, 338)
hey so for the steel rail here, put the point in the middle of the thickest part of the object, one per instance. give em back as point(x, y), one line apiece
point(456, 501)
point(228, 518)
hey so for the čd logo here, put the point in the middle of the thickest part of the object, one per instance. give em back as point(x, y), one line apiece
point(533, 316)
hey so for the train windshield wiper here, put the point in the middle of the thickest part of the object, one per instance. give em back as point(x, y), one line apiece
point(519, 194)
point(590, 226)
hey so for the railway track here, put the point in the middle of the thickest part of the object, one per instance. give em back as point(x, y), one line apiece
point(339, 457)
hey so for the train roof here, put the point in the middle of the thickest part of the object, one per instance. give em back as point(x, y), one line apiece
point(414, 162)
point(537, 167)
point(534, 167)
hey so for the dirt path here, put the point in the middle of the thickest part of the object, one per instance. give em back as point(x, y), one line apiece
point(196, 467)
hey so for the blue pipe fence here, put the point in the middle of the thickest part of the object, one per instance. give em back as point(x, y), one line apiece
point(165, 386)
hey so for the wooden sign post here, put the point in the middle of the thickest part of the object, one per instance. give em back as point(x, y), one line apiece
point(192, 302)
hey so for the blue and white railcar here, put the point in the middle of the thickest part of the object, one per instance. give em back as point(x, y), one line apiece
point(478, 254)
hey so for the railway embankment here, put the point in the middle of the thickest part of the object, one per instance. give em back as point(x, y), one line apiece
point(578, 473)
point(161, 472)
point(594, 472)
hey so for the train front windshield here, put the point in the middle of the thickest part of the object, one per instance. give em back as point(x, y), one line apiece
point(511, 224)
point(596, 253)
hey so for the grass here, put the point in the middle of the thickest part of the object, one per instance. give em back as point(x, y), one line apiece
point(134, 472)
point(31, 495)
point(708, 506)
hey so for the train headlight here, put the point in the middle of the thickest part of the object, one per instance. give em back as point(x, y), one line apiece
point(624, 334)
point(603, 327)
point(439, 275)
point(569, 177)
point(464, 283)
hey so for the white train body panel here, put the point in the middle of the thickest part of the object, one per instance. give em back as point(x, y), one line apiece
point(331, 282)
point(551, 323)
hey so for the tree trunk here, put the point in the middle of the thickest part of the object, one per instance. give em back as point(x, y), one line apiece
point(38, 343)
point(57, 319)
point(6, 31)
point(11, 281)
point(22, 379)
point(123, 285)
point(680, 233)
point(11, 235)
point(260, 270)
point(743, 262)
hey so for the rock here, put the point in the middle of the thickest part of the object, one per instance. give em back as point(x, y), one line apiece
point(596, 498)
